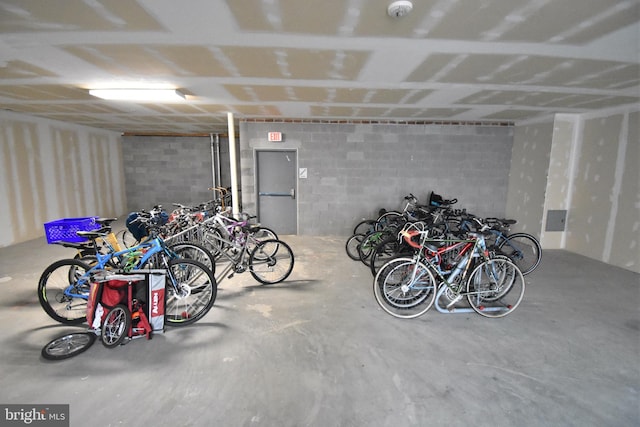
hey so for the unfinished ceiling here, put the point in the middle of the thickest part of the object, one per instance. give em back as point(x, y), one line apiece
point(446, 61)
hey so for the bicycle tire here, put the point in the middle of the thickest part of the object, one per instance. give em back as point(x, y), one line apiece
point(365, 226)
point(198, 252)
point(190, 291)
point(116, 326)
point(264, 233)
point(386, 250)
point(68, 345)
point(352, 245)
point(55, 279)
point(404, 288)
point(523, 249)
point(259, 235)
point(127, 239)
point(495, 288)
point(389, 218)
point(271, 261)
point(368, 244)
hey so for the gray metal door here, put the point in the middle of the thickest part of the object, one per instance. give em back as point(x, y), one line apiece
point(276, 186)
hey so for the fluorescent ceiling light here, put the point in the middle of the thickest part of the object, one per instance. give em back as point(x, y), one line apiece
point(152, 95)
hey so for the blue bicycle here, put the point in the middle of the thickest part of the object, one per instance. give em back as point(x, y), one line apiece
point(191, 288)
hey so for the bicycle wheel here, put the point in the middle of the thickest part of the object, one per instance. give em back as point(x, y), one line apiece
point(214, 242)
point(258, 235)
point(387, 219)
point(271, 261)
point(368, 244)
point(353, 243)
point(127, 239)
point(68, 345)
point(386, 250)
point(190, 291)
point(63, 291)
point(523, 249)
point(404, 288)
point(195, 251)
point(116, 326)
point(495, 288)
point(365, 226)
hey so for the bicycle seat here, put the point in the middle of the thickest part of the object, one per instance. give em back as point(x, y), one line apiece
point(77, 246)
point(92, 235)
point(105, 222)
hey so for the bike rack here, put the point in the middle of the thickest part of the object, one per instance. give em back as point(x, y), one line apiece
point(455, 309)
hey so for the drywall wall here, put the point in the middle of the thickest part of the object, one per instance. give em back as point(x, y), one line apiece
point(529, 167)
point(604, 215)
point(52, 170)
point(586, 167)
point(354, 169)
point(565, 143)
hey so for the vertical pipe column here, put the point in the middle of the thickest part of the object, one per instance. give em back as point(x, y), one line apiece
point(233, 166)
point(218, 177)
point(213, 168)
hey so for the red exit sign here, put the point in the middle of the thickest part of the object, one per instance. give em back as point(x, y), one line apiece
point(274, 136)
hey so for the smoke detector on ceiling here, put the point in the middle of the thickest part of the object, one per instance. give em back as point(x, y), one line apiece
point(399, 8)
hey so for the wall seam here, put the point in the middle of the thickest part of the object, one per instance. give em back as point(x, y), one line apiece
point(576, 149)
point(617, 187)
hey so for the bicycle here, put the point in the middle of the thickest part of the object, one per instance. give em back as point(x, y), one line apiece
point(223, 227)
point(523, 249)
point(407, 288)
point(191, 288)
point(438, 224)
point(269, 261)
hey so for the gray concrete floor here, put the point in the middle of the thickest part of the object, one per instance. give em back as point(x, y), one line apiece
point(316, 350)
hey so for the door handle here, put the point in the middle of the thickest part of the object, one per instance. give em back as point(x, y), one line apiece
point(291, 193)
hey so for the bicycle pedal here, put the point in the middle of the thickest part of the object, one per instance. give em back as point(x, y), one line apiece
point(231, 275)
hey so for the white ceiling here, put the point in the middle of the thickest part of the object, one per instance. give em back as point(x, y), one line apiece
point(504, 61)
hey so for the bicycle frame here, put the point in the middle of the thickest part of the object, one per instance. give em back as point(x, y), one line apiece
point(146, 249)
point(470, 249)
point(234, 261)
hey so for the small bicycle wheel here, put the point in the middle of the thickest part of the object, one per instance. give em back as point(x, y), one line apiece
point(68, 345)
point(190, 291)
point(523, 249)
point(116, 326)
point(353, 243)
point(404, 288)
point(271, 261)
point(63, 290)
point(495, 288)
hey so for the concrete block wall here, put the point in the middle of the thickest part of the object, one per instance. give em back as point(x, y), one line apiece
point(354, 169)
point(166, 170)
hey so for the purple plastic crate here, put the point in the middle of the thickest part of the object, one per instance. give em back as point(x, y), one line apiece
point(65, 229)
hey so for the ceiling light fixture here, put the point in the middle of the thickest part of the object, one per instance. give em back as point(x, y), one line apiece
point(399, 8)
point(151, 95)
